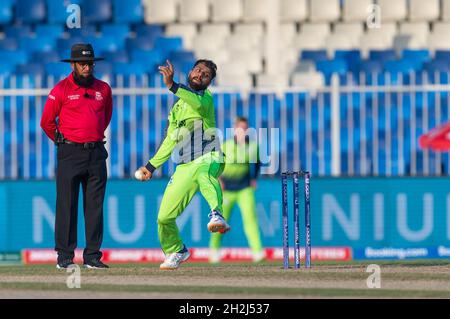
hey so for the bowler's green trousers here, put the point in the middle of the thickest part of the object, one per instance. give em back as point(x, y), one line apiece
point(201, 174)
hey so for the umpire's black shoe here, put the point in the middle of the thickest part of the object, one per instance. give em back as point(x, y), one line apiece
point(95, 264)
point(64, 264)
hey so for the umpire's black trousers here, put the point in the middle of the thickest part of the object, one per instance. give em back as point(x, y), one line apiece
point(86, 166)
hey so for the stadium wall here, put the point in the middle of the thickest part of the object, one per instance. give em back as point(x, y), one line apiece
point(376, 217)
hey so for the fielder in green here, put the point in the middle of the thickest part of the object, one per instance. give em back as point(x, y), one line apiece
point(239, 182)
point(192, 143)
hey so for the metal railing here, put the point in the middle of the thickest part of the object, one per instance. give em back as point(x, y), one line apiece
point(363, 126)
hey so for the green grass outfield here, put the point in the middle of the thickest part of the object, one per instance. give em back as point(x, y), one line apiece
point(399, 279)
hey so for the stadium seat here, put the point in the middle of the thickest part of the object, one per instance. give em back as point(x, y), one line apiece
point(168, 44)
point(6, 69)
point(142, 43)
point(120, 31)
point(29, 12)
point(293, 10)
point(355, 10)
point(129, 11)
point(320, 30)
point(160, 11)
point(105, 43)
point(287, 33)
point(49, 30)
point(151, 58)
point(350, 56)
point(9, 44)
point(374, 41)
point(256, 10)
point(149, 31)
point(312, 80)
point(34, 44)
point(186, 31)
point(324, 10)
point(103, 68)
point(17, 31)
point(265, 80)
point(226, 11)
point(382, 55)
point(445, 10)
point(32, 69)
point(97, 11)
point(418, 30)
point(420, 10)
point(353, 30)
point(243, 82)
point(239, 42)
point(6, 12)
point(437, 41)
point(399, 66)
point(194, 11)
point(57, 69)
point(393, 10)
point(45, 57)
point(218, 56)
point(252, 60)
point(437, 66)
point(127, 69)
point(313, 55)
point(221, 30)
point(441, 27)
point(203, 42)
point(442, 55)
point(87, 30)
point(305, 41)
point(416, 57)
point(329, 67)
point(369, 66)
point(335, 42)
point(116, 56)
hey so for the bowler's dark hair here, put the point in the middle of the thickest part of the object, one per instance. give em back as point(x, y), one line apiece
point(210, 65)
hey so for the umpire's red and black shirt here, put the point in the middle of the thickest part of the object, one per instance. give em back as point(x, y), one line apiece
point(83, 113)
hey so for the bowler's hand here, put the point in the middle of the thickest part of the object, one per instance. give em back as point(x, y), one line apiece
point(147, 175)
point(167, 73)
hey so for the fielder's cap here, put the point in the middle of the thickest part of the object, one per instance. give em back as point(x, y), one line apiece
point(82, 52)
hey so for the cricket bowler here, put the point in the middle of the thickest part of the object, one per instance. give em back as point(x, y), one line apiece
point(199, 167)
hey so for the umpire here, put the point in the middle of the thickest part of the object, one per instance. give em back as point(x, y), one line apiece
point(77, 112)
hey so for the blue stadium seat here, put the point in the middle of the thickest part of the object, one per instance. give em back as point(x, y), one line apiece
point(105, 43)
point(57, 10)
point(349, 56)
point(6, 68)
point(116, 56)
point(33, 69)
point(14, 57)
point(314, 55)
point(45, 57)
point(150, 59)
point(6, 11)
point(116, 30)
point(97, 11)
point(182, 60)
point(103, 68)
point(28, 12)
point(87, 30)
point(63, 46)
point(399, 66)
point(416, 57)
point(17, 31)
point(437, 66)
point(129, 11)
point(57, 69)
point(442, 55)
point(330, 67)
point(49, 30)
point(141, 43)
point(168, 44)
point(129, 68)
point(37, 44)
point(382, 55)
point(370, 66)
point(9, 44)
point(152, 31)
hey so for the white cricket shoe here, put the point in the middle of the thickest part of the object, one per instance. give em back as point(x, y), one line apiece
point(217, 223)
point(173, 261)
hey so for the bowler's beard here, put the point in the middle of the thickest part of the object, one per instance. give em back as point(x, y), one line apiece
point(195, 86)
point(82, 80)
